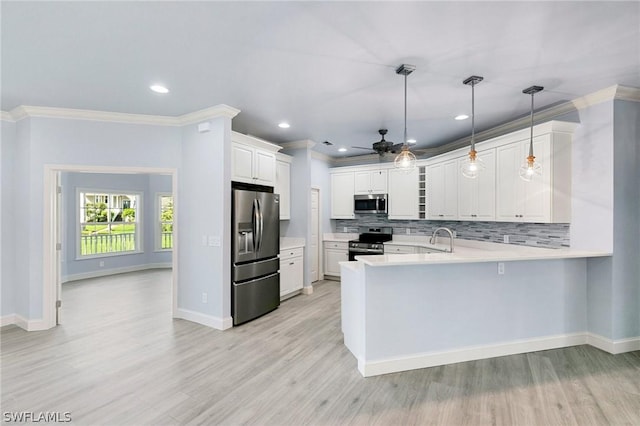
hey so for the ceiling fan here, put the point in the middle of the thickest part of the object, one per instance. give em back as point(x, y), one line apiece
point(382, 146)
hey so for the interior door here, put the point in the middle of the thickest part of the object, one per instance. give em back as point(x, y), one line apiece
point(314, 245)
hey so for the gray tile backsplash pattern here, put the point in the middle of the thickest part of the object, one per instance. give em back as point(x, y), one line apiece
point(551, 235)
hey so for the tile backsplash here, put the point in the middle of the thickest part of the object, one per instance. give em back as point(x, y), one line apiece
point(551, 235)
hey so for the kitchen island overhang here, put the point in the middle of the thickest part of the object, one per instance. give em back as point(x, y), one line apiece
point(402, 312)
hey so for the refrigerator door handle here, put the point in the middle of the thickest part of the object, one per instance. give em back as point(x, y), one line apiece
point(254, 225)
point(260, 224)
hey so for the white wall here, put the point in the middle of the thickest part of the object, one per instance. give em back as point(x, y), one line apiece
point(626, 221)
point(203, 210)
point(48, 141)
point(7, 218)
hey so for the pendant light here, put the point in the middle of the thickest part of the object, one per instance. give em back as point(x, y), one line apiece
point(530, 167)
point(473, 165)
point(406, 160)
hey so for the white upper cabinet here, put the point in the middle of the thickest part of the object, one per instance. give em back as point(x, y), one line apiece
point(370, 182)
point(546, 198)
point(442, 190)
point(283, 185)
point(342, 191)
point(477, 197)
point(403, 194)
point(253, 160)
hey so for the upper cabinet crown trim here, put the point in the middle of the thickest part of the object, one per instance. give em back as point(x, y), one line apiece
point(254, 142)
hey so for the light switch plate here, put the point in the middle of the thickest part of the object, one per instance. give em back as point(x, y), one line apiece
point(214, 241)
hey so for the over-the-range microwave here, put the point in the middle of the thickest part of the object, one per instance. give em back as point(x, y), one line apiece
point(370, 204)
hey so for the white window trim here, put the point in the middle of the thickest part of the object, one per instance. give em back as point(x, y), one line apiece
point(139, 228)
point(157, 234)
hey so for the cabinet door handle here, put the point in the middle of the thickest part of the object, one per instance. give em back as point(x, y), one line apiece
point(292, 263)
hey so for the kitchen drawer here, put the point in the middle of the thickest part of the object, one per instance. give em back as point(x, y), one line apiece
point(398, 249)
point(289, 253)
point(338, 245)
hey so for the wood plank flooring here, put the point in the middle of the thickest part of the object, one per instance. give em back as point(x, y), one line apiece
point(119, 359)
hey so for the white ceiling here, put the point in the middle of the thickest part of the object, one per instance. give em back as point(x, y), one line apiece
point(328, 68)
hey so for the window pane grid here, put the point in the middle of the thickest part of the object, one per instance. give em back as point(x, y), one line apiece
point(108, 223)
point(165, 222)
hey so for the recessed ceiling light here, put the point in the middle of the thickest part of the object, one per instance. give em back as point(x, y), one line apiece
point(461, 117)
point(411, 141)
point(342, 149)
point(159, 89)
point(284, 125)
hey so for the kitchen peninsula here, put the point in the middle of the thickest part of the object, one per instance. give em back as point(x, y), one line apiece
point(407, 311)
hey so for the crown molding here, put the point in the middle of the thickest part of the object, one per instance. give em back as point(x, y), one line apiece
point(305, 143)
point(322, 157)
point(626, 93)
point(216, 111)
point(6, 116)
point(25, 111)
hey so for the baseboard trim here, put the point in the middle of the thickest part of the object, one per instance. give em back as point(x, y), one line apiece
point(23, 323)
point(471, 353)
point(7, 320)
point(204, 319)
point(114, 271)
point(614, 346)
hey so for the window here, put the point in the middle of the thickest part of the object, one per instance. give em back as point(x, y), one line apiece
point(109, 223)
point(165, 228)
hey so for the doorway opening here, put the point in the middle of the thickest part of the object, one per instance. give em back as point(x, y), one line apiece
point(53, 231)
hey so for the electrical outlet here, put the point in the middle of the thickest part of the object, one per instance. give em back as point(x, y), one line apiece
point(500, 268)
point(204, 297)
point(345, 229)
point(408, 231)
point(506, 239)
point(102, 263)
point(455, 234)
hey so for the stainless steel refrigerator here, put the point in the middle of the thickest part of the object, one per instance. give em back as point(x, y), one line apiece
point(255, 287)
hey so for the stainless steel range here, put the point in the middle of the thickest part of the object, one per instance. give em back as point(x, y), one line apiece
point(370, 241)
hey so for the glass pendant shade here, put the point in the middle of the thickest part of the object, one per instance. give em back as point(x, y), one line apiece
point(529, 169)
point(472, 166)
point(406, 160)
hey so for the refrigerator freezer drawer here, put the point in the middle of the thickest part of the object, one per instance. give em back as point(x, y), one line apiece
point(255, 269)
point(254, 298)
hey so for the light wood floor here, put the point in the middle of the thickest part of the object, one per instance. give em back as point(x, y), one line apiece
point(119, 359)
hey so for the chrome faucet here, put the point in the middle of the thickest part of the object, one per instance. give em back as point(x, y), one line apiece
point(432, 240)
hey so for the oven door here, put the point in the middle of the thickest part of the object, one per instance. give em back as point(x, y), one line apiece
point(362, 252)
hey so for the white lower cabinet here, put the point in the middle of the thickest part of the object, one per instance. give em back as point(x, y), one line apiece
point(291, 271)
point(334, 253)
point(399, 249)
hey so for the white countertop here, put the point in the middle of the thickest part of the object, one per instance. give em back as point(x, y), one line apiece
point(467, 251)
point(287, 243)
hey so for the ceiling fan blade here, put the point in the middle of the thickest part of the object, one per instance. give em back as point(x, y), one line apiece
point(362, 147)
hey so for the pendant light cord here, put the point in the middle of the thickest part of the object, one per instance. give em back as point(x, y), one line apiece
point(473, 116)
point(531, 138)
point(405, 111)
